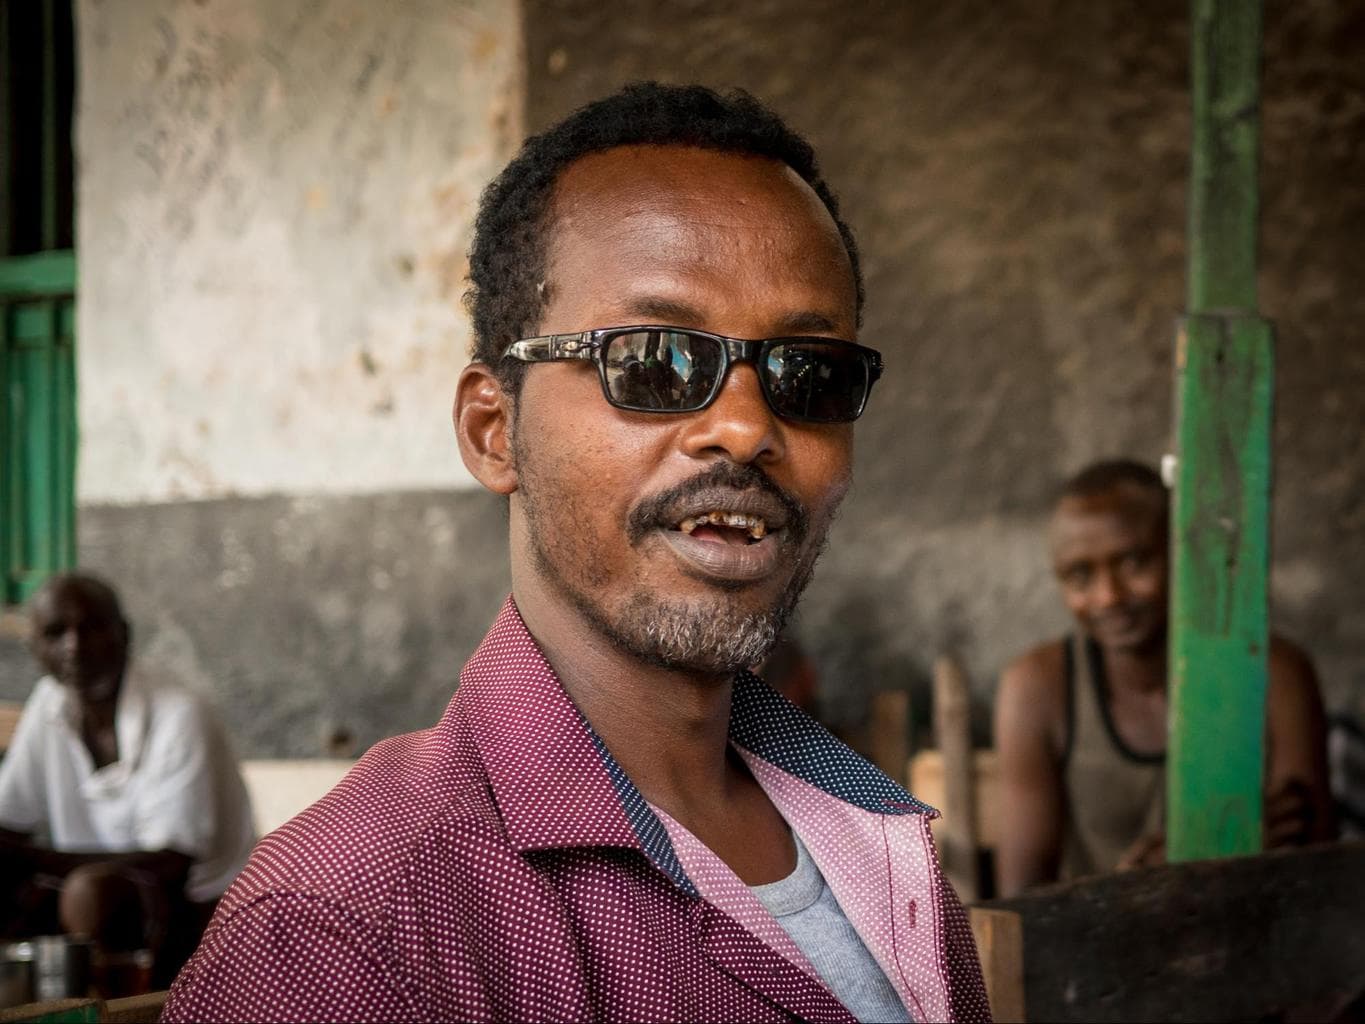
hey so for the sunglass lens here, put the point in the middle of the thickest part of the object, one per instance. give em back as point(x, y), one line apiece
point(662, 371)
point(820, 381)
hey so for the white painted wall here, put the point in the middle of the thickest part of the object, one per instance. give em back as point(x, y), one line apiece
point(275, 202)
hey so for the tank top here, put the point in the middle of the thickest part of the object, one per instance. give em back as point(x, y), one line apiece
point(1114, 795)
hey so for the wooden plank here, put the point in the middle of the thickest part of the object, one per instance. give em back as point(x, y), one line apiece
point(956, 834)
point(143, 1009)
point(926, 784)
point(1241, 939)
point(41, 275)
point(9, 721)
point(999, 938)
point(888, 730)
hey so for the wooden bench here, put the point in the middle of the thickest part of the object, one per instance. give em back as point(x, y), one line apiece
point(280, 789)
point(960, 781)
point(143, 1009)
point(9, 721)
point(1278, 936)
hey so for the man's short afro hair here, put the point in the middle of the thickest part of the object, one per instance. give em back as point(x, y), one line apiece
point(1112, 475)
point(508, 257)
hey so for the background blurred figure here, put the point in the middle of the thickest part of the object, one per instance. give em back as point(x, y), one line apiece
point(122, 814)
point(1346, 755)
point(1080, 722)
point(790, 671)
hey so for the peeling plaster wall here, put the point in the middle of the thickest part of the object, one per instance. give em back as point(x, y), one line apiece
point(275, 203)
point(1016, 174)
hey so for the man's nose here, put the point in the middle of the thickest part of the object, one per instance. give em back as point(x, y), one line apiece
point(1106, 591)
point(739, 424)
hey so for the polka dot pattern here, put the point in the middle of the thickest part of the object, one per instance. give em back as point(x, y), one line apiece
point(768, 725)
point(501, 866)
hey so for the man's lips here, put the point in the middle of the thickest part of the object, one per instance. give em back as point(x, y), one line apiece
point(719, 559)
point(1119, 622)
point(727, 535)
point(730, 524)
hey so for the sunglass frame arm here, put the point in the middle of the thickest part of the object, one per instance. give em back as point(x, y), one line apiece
point(552, 347)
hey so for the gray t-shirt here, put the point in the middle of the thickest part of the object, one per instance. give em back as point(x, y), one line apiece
point(806, 909)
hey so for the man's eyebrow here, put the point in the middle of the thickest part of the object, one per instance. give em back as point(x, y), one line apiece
point(807, 322)
point(660, 310)
point(664, 311)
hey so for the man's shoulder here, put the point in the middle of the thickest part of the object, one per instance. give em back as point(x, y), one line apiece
point(1291, 677)
point(1043, 666)
point(1031, 701)
point(1288, 661)
point(45, 702)
point(411, 798)
point(46, 696)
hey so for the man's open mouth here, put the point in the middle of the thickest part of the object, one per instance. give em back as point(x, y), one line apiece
point(725, 527)
point(729, 536)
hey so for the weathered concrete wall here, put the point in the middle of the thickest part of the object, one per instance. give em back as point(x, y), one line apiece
point(275, 202)
point(319, 624)
point(1016, 174)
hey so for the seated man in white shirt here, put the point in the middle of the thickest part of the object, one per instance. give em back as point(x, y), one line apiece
point(123, 816)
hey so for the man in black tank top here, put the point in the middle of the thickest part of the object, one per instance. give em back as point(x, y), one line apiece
point(1080, 722)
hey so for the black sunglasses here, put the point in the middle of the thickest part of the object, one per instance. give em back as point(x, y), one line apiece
point(670, 369)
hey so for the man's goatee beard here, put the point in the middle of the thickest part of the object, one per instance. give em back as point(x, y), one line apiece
point(714, 638)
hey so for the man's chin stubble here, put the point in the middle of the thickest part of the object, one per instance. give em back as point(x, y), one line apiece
point(712, 637)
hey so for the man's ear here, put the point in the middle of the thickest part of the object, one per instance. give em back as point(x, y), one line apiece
point(483, 427)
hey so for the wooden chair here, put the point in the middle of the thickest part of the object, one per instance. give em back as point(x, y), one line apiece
point(280, 789)
point(143, 1009)
point(9, 721)
point(958, 780)
point(1279, 936)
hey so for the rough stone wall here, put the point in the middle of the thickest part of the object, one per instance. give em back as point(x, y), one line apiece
point(1016, 174)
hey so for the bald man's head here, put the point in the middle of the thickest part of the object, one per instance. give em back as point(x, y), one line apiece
point(79, 634)
point(1108, 538)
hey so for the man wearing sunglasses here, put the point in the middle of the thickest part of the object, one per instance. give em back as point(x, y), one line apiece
point(614, 819)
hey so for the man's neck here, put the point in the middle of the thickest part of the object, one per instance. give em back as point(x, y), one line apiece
point(98, 722)
point(667, 729)
point(1139, 670)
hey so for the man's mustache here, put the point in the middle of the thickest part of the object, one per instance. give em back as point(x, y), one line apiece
point(651, 511)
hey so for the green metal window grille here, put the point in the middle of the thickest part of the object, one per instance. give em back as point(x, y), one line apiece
point(37, 296)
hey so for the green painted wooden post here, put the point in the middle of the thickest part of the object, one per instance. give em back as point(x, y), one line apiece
point(37, 304)
point(37, 420)
point(1221, 511)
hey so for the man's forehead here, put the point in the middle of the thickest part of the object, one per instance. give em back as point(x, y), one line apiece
point(651, 217)
point(1079, 518)
point(73, 597)
point(623, 174)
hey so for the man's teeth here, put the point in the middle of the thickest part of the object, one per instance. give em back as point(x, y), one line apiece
point(756, 527)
